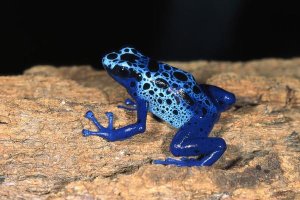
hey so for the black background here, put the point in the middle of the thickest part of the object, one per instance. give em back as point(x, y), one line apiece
point(80, 32)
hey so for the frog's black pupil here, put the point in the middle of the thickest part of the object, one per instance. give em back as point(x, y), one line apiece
point(120, 71)
point(134, 74)
point(124, 72)
point(139, 77)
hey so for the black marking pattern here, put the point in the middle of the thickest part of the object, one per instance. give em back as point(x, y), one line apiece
point(173, 94)
point(161, 83)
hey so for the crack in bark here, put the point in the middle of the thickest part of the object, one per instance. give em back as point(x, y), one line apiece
point(290, 96)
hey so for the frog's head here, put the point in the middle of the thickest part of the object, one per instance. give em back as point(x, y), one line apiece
point(123, 65)
point(222, 99)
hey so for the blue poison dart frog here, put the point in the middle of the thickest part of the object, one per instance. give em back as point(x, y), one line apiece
point(172, 95)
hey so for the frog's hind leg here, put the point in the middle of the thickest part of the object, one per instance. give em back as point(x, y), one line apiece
point(222, 99)
point(192, 140)
point(211, 148)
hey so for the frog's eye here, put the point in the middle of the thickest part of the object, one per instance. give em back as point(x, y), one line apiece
point(136, 75)
point(120, 71)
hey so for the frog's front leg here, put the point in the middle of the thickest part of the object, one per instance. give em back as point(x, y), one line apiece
point(128, 102)
point(192, 140)
point(123, 133)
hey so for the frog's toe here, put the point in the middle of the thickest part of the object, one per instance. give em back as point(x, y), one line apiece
point(159, 162)
point(89, 115)
point(110, 117)
point(182, 162)
point(128, 102)
point(86, 132)
point(168, 161)
point(126, 108)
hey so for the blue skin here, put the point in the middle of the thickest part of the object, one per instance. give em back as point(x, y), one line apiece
point(174, 96)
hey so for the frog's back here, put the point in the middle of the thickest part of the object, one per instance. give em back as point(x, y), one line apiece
point(173, 94)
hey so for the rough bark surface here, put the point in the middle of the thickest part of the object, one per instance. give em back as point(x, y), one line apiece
point(43, 154)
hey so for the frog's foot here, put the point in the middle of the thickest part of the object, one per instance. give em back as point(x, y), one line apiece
point(111, 134)
point(209, 151)
point(128, 102)
point(102, 131)
point(182, 162)
point(191, 140)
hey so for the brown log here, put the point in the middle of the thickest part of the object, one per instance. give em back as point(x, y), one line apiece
point(44, 155)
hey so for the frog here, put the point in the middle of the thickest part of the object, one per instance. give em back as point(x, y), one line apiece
point(172, 95)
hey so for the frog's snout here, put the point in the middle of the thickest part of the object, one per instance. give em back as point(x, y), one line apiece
point(109, 59)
